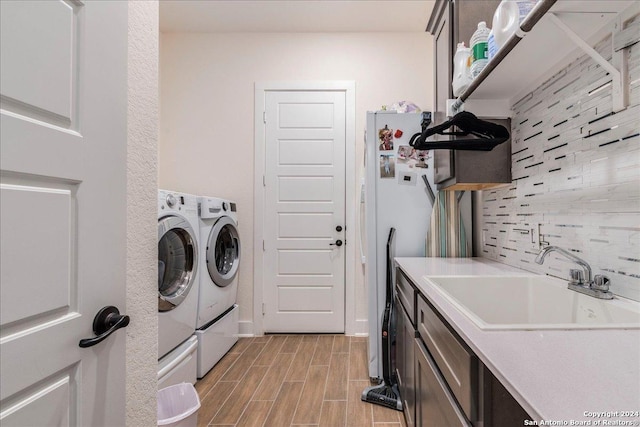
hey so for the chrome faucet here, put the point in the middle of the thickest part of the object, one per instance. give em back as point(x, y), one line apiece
point(580, 281)
point(582, 263)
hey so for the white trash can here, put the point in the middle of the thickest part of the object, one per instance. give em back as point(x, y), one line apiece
point(178, 406)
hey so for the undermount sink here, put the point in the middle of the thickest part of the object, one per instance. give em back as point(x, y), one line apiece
point(533, 302)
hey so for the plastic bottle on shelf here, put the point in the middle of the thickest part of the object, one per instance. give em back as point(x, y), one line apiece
point(507, 18)
point(479, 49)
point(461, 72)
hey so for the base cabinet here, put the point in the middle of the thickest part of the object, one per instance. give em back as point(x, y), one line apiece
point(435, 405)
point(500, 408)
point(405, 357)
point(442, 381)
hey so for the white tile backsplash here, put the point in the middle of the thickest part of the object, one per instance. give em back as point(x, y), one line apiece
point(576, 173)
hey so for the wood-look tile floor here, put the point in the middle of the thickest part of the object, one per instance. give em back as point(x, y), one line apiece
point(292, 380)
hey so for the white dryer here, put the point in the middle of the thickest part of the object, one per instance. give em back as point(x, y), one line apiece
point(178, 264)
point(217, 321)
point(220, 251)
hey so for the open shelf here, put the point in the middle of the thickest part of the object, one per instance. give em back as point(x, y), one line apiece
point(522, 62)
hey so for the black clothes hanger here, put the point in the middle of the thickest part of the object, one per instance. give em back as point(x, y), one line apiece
point(488, 135)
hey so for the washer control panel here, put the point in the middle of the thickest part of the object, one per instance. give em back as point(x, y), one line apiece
point(171, 200)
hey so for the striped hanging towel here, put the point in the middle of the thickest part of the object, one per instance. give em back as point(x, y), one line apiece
point(446, 237)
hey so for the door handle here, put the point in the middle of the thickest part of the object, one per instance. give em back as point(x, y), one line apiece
point(107, 321)
point(337, 243)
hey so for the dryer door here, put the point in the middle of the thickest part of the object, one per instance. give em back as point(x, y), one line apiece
point(177, 261)
point(223, 252)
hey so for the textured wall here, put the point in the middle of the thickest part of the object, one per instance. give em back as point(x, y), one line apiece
point(207, 101)
point(576, 172)
point(143, 115)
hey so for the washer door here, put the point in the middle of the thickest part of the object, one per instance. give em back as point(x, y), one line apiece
point(223, 252)
point(177, 261)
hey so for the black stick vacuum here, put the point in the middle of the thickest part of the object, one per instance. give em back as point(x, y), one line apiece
point(387, 394)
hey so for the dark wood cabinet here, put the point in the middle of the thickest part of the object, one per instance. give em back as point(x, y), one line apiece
point(442, 30)
point(442, 381)
point(405, 347)
point(451, 22)
point(405, 333)
point(435, 405)
point(500, 408)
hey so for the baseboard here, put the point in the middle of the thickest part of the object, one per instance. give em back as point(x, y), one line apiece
point(361, 328)
point(245, 328)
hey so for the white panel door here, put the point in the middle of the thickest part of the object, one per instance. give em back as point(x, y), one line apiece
point(63, 205)
point(304, 289)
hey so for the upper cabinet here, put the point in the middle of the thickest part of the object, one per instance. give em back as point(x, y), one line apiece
point(554, 33)
point(452, 22)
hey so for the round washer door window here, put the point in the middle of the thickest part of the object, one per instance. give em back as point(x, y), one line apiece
point(177, 261)
point(223, 252)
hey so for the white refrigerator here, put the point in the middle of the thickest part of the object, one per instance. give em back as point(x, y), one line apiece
point(394, 196)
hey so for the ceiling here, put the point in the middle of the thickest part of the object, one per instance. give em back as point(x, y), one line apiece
point(214, 16)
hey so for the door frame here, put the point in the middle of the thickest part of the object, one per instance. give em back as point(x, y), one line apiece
point(261, 89)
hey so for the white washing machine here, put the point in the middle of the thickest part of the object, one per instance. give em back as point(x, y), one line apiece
point(178, 263)
point(217, 321)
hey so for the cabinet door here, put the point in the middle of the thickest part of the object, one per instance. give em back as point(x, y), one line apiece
point(443, 41)
point(405, 362)
point(435, 406)
point(455, 361)
point(500, 408)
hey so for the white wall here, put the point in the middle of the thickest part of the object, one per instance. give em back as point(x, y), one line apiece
point(142, 244)
point(207, 98)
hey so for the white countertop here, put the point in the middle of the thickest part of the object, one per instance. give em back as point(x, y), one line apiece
point(558, 375)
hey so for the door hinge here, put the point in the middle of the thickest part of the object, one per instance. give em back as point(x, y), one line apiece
point(263, 249)
point(264, 181)
point(263, 311)
point(264, 117)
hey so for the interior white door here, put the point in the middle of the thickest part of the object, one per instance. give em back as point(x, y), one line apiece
point(63, 189)
point(304, 257)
